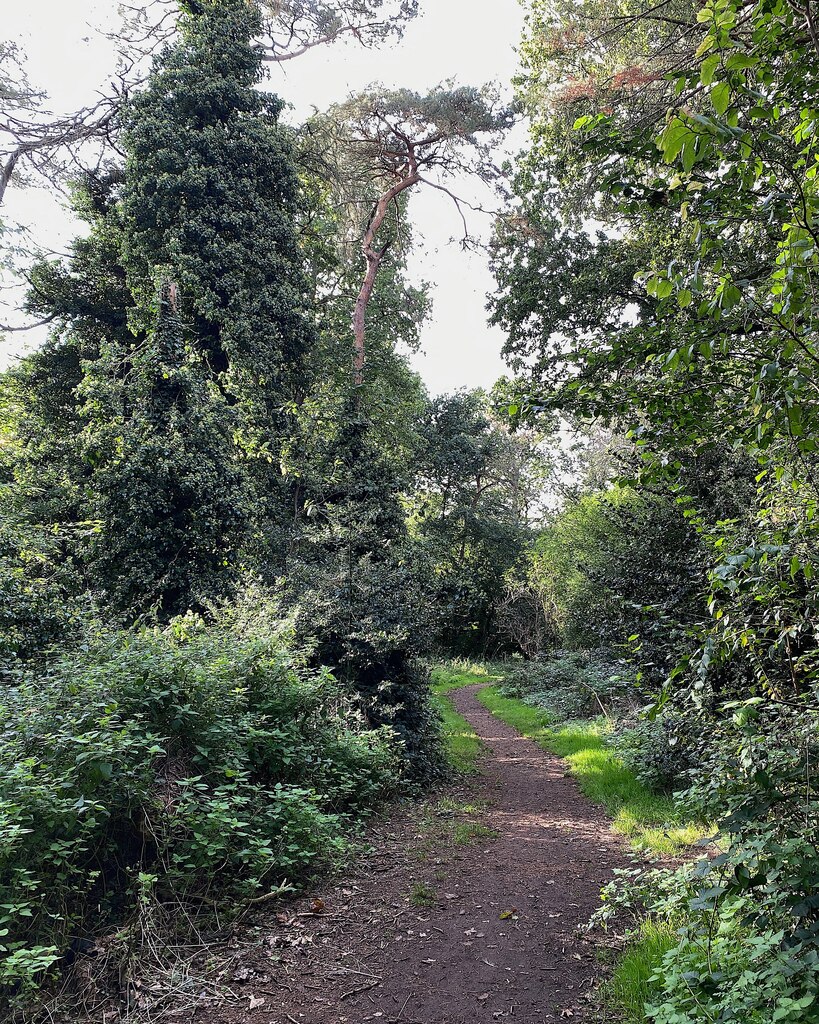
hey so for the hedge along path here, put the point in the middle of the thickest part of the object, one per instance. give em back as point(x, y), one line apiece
point(498, 940)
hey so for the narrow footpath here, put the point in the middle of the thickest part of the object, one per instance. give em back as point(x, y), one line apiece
point(490, 935)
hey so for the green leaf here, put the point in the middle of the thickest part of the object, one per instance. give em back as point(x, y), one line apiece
point(707, 69)
point(689, 153)
point(741, 61)
point(721, 97)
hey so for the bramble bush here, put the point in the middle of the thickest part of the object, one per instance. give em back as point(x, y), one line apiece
point(748, 914)
point(571, 684)
point(660, 751)
point(201, 756)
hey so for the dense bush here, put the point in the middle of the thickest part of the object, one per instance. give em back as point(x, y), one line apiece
point(748, 915)
point(198, 760)
point(572, 684)
point(615, 567)
point(658, 751)
point(727, 963)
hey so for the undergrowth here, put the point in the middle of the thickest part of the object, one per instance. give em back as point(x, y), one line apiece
point(198, 766)
point(630, 986)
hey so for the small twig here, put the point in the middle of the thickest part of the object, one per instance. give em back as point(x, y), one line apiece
point(363, 974)
point(361, 988)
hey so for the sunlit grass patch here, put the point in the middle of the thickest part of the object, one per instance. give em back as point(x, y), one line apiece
point(452, 675)
point(629, 988)
point(462, 745)
point(449, 806)
point(650, 821)
point(468, 831)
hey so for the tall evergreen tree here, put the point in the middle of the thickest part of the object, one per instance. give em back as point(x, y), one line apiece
point(205, 212)
point(167, 494)
point(211, 201)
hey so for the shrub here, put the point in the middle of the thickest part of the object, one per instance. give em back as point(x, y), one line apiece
point(657, 751)
point(748, 946)
point(725, 963)
point(200, 756)
point(570, 684)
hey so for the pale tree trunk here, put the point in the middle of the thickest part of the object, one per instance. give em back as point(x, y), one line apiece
point(373, 257)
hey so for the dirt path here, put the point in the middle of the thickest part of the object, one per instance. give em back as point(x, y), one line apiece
point(497, 941)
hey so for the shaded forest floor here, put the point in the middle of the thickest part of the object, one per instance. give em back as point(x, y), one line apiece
point(465, 910)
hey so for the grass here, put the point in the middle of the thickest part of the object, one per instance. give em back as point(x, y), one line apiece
point(468, 831)
point(629, 989)
point(423, 895)
point(463, 747)
point(648, 820)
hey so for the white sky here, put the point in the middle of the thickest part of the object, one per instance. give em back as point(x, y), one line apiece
point(470, 41)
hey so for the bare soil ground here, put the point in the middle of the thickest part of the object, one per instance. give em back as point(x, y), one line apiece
point(454, 917)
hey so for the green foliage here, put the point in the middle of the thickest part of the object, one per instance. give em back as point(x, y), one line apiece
point(158, 415)
point(720, 964)
point(658, 273)
point(572, 684)
point(167, 491)
point(36, 610)
point(357, 597)
point(201, 755)
point(630, 986)
point(658, 750)
point(616, 568)
point(476, 487)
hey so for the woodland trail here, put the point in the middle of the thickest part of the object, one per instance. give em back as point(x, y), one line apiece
point(498, 940)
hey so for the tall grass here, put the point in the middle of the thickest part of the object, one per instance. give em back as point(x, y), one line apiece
point(629, 988)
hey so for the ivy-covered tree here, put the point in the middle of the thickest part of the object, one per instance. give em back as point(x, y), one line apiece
point(167, 492)
point(205, 212)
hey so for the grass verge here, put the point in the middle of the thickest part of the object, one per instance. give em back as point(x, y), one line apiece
point(649, 821)
point(629, 989)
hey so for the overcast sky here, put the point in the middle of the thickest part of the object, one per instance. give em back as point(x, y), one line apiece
point(465, 40)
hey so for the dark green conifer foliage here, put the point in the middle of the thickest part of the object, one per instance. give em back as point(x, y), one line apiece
point(359, 593)
point(210, 200)
point(167, 487)
point(181, 418)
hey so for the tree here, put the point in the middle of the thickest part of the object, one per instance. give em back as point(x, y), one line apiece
point(292, 27)
point(167, 489)
point(382, 143)
point(204, 212)
point(476, 493)
point(674, 163)
point(49, 144)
